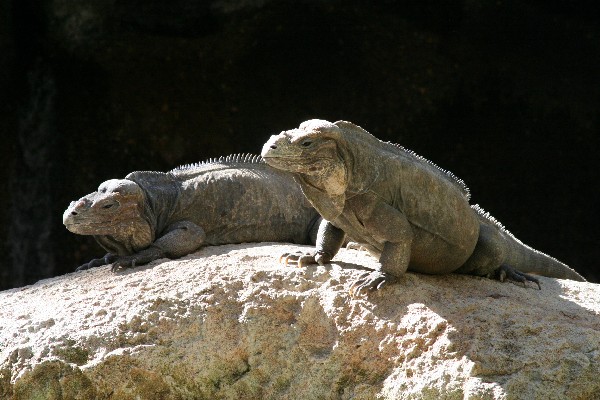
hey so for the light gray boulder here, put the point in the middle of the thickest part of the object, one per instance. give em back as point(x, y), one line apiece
point(229, 322)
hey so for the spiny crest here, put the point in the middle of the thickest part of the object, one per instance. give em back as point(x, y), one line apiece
point(244, 158)
point(489, 217)
point(502, 229)
point(369, 138)
point(497, 223)
point(463, 186)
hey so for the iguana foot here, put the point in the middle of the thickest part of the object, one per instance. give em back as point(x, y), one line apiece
point(126, 262)
point(140, 258)
point(301, 259)
point(505, 272)
point(97, 262)
point(370, 281)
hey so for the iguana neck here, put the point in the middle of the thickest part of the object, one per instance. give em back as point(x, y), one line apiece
point(333, 181)
point(161, 193)
point(131, 237)
point(326, 190)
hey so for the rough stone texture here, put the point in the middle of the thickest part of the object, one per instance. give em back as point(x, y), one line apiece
point(229, 322)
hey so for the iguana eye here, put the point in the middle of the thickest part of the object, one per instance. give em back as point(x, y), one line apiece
point(306, 143)
point(110, 205)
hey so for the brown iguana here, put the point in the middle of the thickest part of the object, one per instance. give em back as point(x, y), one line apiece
point(403, 209)
point(150, 215)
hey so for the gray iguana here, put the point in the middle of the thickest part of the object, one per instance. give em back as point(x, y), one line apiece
point(150, 215)
point(402, 208)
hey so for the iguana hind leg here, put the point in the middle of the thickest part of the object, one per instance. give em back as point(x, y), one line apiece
point(507, 272)
point(489, 258)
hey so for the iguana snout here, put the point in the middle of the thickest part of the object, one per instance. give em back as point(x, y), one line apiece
point(72, 215)
point(75, 208)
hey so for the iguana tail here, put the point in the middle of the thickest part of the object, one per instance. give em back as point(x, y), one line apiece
point(525, 259)
point(528, 260)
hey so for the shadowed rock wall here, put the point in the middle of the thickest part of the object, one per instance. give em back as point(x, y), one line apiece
point(502, 94)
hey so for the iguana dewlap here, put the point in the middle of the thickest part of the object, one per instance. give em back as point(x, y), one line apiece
point(405, 210)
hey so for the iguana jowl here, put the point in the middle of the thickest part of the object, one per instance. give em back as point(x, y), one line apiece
point(402, 208)
point(150, 215)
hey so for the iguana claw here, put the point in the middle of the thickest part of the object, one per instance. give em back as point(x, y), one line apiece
point(97, 262)
point(370, 281)
point(123, 263)
point(301, 259)
point(505, 272)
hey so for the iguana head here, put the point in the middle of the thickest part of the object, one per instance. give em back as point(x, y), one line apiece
point(312, 151)
point(115, 209)
point(314, 154)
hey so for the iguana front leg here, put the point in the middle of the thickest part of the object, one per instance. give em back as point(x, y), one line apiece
point(393, 255)
point(180, 238)
point(329, 242)
point(390, 225)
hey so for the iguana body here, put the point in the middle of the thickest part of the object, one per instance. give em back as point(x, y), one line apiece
point(402, 208)
point(149, 215)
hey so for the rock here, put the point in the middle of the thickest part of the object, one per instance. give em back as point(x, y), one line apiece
point(229, 322)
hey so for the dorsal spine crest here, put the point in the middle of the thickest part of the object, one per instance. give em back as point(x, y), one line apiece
point(242, 158)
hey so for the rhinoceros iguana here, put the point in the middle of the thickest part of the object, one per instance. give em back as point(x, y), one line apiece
point(403, 209)
point(150, 215)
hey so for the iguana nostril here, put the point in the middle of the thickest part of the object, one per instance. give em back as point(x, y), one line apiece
point(273, 146)
point(74, 213)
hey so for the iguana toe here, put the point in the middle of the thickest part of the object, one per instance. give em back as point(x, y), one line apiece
point(299, 259)
point(123, 263)
point(507, 272)
point(97, 262)
point(83, 267)
point(370, 282)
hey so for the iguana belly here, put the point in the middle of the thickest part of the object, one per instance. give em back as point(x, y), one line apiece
point(442, 239)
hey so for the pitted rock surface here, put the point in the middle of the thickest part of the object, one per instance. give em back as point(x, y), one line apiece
point(231, 322)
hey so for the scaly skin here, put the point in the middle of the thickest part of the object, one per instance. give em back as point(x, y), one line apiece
point(403, 209)
point(151, 215)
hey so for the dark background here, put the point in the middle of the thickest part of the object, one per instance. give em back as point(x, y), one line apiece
point(503, 93)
